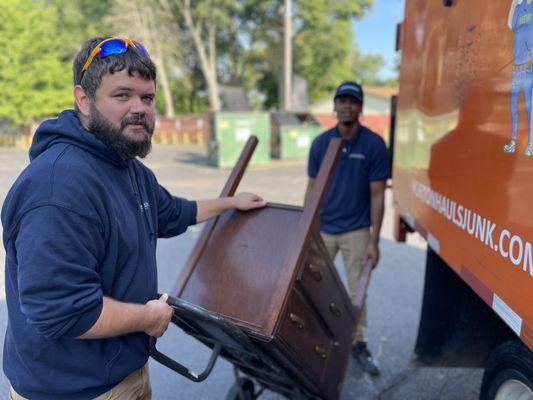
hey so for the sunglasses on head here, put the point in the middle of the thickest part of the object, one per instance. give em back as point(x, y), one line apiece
point(112, 46)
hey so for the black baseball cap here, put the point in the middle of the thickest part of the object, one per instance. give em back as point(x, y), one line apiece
point(352, 89)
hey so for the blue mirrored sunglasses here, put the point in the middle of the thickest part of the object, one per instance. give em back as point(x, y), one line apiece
point(112, 46)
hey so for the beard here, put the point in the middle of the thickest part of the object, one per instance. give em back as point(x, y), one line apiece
point(114, 138)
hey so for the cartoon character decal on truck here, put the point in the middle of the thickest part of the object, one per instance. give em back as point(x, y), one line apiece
point(521, 23)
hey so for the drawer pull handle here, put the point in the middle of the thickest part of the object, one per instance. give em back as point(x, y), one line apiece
point(321, 352)
point(315, 271)
point(334, 309)
point(300, 323)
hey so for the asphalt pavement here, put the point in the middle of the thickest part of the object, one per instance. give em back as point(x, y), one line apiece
point(394, 297)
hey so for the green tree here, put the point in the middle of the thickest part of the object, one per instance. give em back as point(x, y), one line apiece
point(34, 77)
point(202, 22)
point(186, 97)
point(324, 42)
point(145, 21)
point(80, 20)
point(251, 50)
point(239, 43)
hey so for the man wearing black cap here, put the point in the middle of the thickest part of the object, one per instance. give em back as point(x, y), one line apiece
point(351, 216)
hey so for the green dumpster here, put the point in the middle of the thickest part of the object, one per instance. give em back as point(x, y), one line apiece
point(292, 135)
point(232, 130)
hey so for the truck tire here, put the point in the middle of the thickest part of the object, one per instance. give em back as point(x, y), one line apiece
point(508, 373)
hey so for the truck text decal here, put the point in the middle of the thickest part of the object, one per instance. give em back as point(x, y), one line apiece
point(511, 247)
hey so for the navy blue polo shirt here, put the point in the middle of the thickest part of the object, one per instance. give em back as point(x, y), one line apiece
point(363, 159)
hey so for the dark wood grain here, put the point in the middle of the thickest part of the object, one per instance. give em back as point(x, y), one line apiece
point(253, 268)
point(303, 231)
point(240, 267)
point(307, 339)
point(228, 190)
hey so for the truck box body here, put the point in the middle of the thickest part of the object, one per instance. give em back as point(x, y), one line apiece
point(465, 76)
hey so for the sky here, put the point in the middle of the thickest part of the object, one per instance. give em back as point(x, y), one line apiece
point(375, 33)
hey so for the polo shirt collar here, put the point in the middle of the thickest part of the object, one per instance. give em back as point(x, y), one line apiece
point(354, 139)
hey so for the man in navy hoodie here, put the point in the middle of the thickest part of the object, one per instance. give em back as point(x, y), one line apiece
point(80, 230)
point(352, 212)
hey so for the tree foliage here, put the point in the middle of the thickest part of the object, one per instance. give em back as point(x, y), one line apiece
point(146, 22)
point(203, 22)
point(324, 42)
point(34, 77)
point(323, 45)
point(197, 45)
point(80, 20)
point(246, 46)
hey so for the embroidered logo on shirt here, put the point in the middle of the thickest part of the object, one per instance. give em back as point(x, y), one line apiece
point(144, 207)
point(357, 156)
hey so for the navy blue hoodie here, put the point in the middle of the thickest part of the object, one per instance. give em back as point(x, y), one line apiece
point(79, 223)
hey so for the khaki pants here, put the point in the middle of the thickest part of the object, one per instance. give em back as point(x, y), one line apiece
point(136, 386)
point(352, 246)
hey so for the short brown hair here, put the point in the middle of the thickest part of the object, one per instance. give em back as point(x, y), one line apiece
point(133, 60)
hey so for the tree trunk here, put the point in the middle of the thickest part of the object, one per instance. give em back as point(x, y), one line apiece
point(165, 86)
point(213, 91)
point(286, 95)
point(146, 18)
point(207, 62)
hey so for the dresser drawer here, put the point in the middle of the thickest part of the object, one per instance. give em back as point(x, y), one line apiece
point(304, 335)
point(327, 294)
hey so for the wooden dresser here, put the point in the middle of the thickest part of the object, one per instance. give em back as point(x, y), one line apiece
point(268, 272)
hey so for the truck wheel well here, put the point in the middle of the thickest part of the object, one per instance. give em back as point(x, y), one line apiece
point(456, 327)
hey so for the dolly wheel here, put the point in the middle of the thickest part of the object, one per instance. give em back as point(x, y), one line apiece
point(242, 389)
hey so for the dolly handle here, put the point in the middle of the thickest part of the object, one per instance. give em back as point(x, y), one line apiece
point(176, 366)
point(181, 369)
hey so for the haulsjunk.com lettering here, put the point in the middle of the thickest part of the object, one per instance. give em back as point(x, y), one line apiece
point(512, 247)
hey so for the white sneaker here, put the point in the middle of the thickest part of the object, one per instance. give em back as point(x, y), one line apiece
point(510, 147)
point(529, 150)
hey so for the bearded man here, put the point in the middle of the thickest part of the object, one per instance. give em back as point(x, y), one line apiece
point(80, 230)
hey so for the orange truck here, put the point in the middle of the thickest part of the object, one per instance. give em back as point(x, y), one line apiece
point(462, 150)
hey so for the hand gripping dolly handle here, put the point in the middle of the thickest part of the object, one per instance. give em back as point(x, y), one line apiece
point(176, 366)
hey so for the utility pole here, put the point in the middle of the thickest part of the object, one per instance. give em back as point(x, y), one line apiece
point(285, 94)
